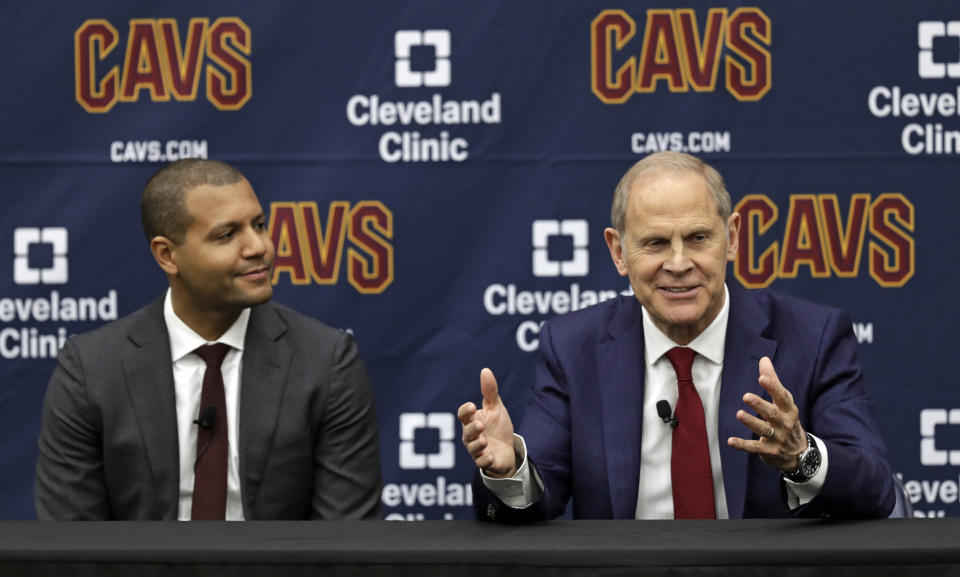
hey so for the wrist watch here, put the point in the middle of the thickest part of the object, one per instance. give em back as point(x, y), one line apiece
point(808, 463)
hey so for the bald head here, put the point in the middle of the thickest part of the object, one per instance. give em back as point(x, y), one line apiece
point(668, 163)
point(163, 210)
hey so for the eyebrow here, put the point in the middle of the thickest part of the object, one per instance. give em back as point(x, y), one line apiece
point(660, 234)
point(225, 224)
point(235, 223)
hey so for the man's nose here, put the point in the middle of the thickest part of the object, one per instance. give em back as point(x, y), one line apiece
point(255, 243)
point(678, 261)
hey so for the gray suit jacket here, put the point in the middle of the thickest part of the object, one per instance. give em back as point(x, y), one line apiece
point(308, 431)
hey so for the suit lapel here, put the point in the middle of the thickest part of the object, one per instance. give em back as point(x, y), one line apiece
point(744, 346)
point(266, 361)
point(149, 378)
point(621, 372)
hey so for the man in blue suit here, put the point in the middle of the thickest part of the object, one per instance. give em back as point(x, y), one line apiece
point(746, 439)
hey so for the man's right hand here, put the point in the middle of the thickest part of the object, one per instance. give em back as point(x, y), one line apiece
point(488, 432)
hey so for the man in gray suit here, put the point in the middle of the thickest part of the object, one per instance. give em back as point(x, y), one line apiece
point(125, 426)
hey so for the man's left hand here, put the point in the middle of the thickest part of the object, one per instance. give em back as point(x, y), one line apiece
point(782, 438)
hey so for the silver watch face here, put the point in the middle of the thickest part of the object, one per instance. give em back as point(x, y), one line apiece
point(810, 463)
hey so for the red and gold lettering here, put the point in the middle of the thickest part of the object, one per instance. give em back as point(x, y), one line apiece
point(844, 243)
point(141, 64)
point(326, 248)
point(757, 215)
point(660, 57)
point(891, 222)
point(621, 27)
point(229, 45)
point(753, 84)
point(308, 253)
point(287, 234)
point(371, 223)
point(182, 68)
point(815, 235)
point(801, 240)
point(701, 60)
point(92, 42)
point(156, 60)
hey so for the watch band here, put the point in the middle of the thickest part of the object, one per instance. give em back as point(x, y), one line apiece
point(812, 452)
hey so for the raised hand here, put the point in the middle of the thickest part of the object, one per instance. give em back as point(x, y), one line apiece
point(782, 437)
point(488, 432)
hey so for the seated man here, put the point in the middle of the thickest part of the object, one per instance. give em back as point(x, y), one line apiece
point(644, 405)
point(211, 402)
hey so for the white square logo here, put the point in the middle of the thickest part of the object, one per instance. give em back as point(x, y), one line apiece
point(23, 272)
point(927, 32)
point(930, 455)
point(409, 457)
point(578, 265)
point(405, 40)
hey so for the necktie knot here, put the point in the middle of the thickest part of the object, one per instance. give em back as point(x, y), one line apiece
point(213, 354)
point(682, 360)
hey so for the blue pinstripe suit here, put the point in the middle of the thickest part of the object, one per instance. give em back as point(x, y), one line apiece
point(583, 425)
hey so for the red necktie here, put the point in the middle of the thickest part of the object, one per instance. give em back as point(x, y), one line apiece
point(690, 460)
point(210, 482)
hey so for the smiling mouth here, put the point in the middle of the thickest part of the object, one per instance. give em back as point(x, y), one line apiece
point(678, 290)
point(255, 272)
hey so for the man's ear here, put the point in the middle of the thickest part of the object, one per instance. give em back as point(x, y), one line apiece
point(733, 239)
point(616, 249)
point(164, 252)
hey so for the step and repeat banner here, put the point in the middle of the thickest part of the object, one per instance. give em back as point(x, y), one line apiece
point(438, 176)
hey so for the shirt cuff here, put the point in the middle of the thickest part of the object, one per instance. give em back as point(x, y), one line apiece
point(802, 493)
point(521, 490)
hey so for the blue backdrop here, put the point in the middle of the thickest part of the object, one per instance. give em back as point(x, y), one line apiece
point(438, 176)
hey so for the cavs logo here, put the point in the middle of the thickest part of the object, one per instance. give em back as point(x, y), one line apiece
point(157, 63)
point(310, 252)
point(674, 52)
point(817, 238)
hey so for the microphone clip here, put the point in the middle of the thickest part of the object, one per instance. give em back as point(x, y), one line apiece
point(207, 417)
point(666, 415)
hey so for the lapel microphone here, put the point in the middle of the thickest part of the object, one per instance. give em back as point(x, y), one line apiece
point(663, 411)
point(208, 416)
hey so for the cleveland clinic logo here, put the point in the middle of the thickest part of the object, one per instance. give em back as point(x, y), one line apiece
point(930, 419)
point(557, 232)
point(930, 37)
point(26, 268)
point(425, 129)
point(410, 43)
point(414, 455)
point(928, 127)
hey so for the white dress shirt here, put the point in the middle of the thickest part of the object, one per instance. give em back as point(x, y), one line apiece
point(655, 486)
point(660, 383)
point(188, 370)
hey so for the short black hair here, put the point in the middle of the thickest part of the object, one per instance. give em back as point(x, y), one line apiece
point(162, 208)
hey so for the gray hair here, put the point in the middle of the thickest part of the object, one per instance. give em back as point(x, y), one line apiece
point(163, 211)
point(669, 162)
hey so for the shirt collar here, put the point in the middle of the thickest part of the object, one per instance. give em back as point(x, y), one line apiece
point(184, 340)
point(708, 344)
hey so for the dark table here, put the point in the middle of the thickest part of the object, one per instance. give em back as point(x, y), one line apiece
point(771, 548)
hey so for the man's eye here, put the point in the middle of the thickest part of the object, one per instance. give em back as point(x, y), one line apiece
point(261, 226)
point(226, 236)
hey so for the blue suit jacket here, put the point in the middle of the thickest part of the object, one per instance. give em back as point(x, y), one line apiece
point(583, 426)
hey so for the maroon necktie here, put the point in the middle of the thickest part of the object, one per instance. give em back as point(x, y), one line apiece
point(210, 482)
point(690, 460)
